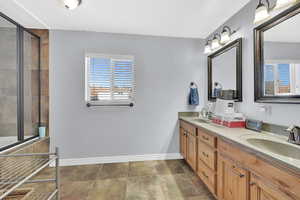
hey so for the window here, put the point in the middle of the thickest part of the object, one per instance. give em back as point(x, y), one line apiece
point(109, 79)
point(282, 78)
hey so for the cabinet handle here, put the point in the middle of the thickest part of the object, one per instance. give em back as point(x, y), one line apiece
point(252, 183)
point(205, 175)
point(237, 173)
point(205, 138)
point(206, 155)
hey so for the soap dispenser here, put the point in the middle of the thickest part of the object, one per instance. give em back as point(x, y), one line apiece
point(294, 134)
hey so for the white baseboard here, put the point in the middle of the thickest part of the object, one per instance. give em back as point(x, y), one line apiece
point(118, 159)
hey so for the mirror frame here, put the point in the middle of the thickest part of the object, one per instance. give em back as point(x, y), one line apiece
point(259, 58)
point(234, 44)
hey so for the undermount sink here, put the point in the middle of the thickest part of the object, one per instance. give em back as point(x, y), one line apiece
point(276, 147)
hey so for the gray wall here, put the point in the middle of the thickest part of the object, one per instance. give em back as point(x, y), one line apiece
point(164, 69)
point(281, 51)
point(283, 114)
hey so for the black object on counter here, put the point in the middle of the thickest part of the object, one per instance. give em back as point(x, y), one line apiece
point(228, 94)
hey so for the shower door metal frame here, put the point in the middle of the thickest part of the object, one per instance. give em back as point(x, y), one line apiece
point(20, 81)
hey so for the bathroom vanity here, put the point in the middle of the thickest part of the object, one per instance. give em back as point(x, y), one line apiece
point(239, 164)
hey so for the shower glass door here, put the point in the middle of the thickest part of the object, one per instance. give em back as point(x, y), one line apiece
point(19, 83)
point(8, 83)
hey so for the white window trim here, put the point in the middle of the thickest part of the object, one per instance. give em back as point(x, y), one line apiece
point(109, 102)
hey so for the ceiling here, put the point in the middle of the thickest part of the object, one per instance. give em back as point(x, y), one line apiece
point(287, 31)
point(173, 18)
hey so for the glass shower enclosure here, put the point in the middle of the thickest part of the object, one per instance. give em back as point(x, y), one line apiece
point(19, 83)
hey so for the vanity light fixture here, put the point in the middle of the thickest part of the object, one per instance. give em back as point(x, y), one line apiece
point(72, 4)
point(284, 3)
point(207, 48)
point(226, 34)
point(262, 11)
point(216, 41)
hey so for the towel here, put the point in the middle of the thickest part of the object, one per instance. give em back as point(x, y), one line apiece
point(194, 96)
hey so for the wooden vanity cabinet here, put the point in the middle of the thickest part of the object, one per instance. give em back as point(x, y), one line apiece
point(262, 189)
point(207, 160)
point(188, 143)
point(233, 181)
point(231, 173)
point(283, 181)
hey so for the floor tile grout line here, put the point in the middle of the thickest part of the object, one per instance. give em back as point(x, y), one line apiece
point(156, 173)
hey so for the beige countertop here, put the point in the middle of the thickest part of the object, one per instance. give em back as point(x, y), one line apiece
point(239, 136)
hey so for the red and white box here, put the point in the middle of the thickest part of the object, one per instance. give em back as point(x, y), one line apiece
point(235, 121)
point(231, 121)
point(217, 120)
point(234, 124)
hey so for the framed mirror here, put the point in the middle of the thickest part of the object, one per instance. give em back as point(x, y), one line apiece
point(277, 58)
point(225, 72)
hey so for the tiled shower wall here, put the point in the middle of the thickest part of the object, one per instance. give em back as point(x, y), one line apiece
point(44, 35)
point(8, 83)
point(40, 145)
point(31, 84)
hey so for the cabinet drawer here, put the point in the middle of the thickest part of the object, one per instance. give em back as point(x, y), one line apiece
point(208, 176)
point(188, 127)
point(207, 138)
point(207, 155)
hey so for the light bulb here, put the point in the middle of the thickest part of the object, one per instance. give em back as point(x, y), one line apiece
point(207, 49)
point(261, 13)
point(71, 4)
point(284, 3)
point(215, 43)
point(225, 37)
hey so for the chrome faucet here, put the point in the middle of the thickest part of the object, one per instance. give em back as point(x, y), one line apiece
point(294, 134)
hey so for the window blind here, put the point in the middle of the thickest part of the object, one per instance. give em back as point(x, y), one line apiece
point(284, 74)
point(109, 79)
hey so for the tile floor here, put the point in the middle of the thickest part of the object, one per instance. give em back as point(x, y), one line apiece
point(149, 180)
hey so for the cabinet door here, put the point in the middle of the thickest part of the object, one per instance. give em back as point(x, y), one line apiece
point(192, 151)
point(262, 189)
point(232, 180)
point(183, 140)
